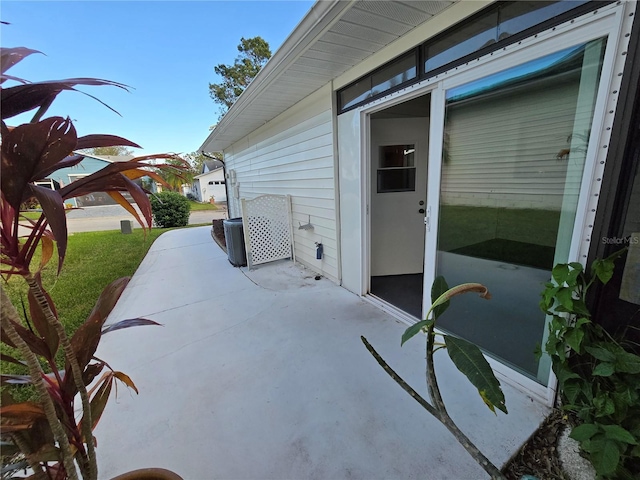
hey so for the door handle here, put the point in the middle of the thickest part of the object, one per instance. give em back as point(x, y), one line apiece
point(421, 210)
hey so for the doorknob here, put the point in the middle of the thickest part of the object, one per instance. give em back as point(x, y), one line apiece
point(421, 210)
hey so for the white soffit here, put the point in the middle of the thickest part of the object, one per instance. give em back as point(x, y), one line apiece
point(333, 37)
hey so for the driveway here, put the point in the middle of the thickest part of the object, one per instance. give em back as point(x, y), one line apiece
point(92, 219)
point(262, 375)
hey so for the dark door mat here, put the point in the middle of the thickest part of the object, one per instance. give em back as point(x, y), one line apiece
point(510, 251)
point(401, 291)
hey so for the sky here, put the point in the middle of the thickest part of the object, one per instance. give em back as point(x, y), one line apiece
point(164, 50)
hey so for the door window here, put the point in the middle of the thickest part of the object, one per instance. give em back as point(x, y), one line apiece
point(397, 168)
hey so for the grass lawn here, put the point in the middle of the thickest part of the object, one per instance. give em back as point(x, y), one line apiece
point(520, 236)
point(195, 206)
point(462, 225)
point(94, 259)
point(31, 215)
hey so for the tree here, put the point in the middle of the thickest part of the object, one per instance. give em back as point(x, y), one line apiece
point(197, 159)
point(109, 151)
point(178, 176)
point(254, 53)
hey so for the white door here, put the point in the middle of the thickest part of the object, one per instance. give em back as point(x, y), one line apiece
point(398, 173)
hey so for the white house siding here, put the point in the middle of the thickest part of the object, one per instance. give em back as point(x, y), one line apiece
point(495, 159)
point(293, 155)
point(204, 191)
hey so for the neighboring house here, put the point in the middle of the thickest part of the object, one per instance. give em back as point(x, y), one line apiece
point(89, 164)
point(210, 182)
point(483, 141)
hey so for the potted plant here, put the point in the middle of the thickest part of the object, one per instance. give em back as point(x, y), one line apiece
point(56, 441)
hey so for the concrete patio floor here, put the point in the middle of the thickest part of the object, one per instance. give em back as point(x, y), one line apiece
point(262, 375)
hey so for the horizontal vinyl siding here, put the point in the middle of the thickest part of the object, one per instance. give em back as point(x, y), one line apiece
point(503, 151)
point(293, 155)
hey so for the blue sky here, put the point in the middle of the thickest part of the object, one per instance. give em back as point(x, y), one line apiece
point(164, 50)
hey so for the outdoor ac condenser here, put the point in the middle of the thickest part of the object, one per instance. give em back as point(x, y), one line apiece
point(234, 236)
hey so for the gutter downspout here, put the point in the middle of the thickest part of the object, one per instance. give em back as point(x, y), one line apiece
point(224, 173)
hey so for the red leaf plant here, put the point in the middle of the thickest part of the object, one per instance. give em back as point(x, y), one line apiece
point(55, 441)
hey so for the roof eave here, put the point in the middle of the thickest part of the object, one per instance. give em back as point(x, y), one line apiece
point(319, 18)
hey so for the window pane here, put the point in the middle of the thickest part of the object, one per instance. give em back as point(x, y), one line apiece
point(632, 220)
point(397, 156)
point(397, 180)
point(395, 74)
point(355, 93)
point(514, 154)
point(467, 39)
point(516, 17)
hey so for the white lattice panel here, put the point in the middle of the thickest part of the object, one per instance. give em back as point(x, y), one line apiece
point(267, 226)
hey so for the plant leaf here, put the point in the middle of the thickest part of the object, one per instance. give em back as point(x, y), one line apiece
point(438, 288)
point(605, 455)
point(603, 269)
point(565, 297)
point(604, 370)
point(66, 162)
point(414, 329)
point(124, 203)
point(124, 378)
point(627, 362)
point(53, 208)
point(584, 432)
point(97, 140)
point(560, 273)
point(35, 344)
point(11, 56)
point(574, 338)
point(23, 98)
point(85, 340)
point(8, 379)
point(99, 400)
point(46, 245)
point(7, 358)
point(601, 353)
point(616, 432)
point(21, 413)
point(132, 322)
point(30, 149)
point(468, 358)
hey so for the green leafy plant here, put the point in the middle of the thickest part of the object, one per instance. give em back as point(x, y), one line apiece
point(54, 433)
point(598, 376)
point(466, 356)
point(170, 209)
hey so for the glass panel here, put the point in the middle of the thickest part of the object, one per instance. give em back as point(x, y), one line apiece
point(514, 155)
point(396, 169)
point(397, 180)
point(355, 93)
point(516, 17)
point(463, 41)
point(397, 156)
point(395, 74)
point(632, 220)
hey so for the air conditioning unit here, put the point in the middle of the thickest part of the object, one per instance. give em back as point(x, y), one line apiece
point(234, 236)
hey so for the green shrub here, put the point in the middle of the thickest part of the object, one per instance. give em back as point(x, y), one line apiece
point(598, 375)
point(170, 209)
